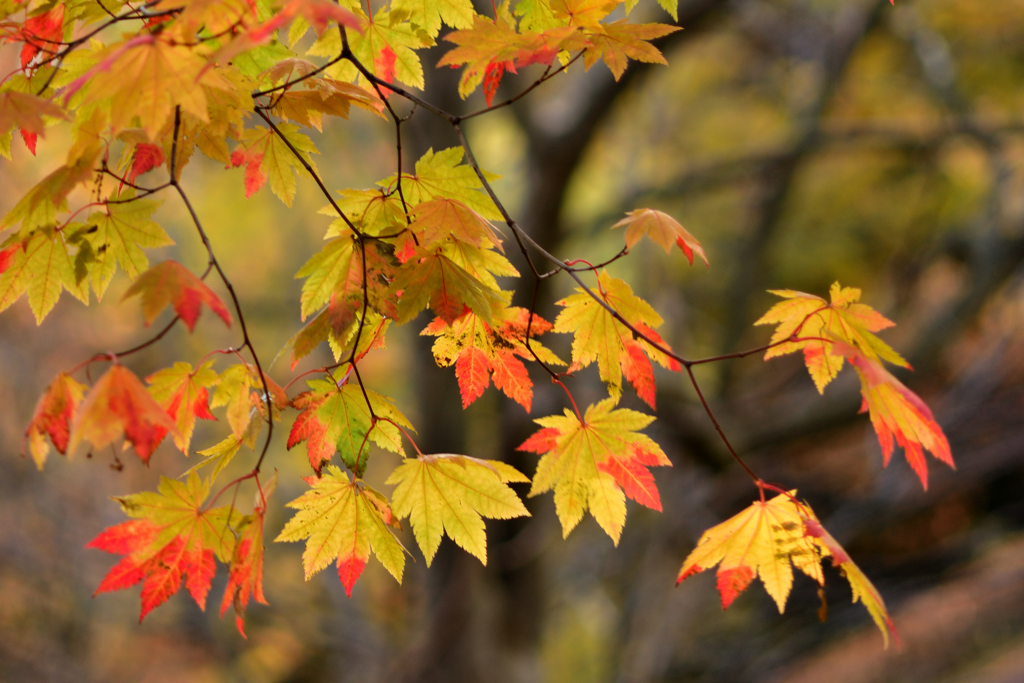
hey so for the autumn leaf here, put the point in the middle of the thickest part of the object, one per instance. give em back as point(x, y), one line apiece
point(267, 156)
point(806, 315)
point(450, 494)
point(434, 279)
point(40, 205)
point(862, 588)
point(42, 35)
point(618, 42)
point(52, 417)
point(171, 284)
point(182, 392)
point(245, 572)
point(42, 268)
point(595, 463)
point(441, 174)
point(145, 78)
point(118, 404)
point(343, 520)
point(441, 218)
point(341, 273)
point(663, 230)
point(117, 235)
point(145, 157)
point(598, 336)
point(897, 413)
point(482, 351)
point(337, 418)
point(25, 111)
point(172, 539)
point(766, 541)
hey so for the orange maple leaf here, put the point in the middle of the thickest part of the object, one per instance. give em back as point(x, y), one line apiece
point(53, 416)
point(172, 284)
point(118, 404)
point(482, 351)
point(897, 413)
point(172, 540)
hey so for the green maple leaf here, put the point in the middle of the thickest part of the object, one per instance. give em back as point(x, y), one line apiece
point(337, 418)
point(42, 267)
point(117, 236)
point(450, 494)
point(594, 464)
point(344, 520)
point(442, 174)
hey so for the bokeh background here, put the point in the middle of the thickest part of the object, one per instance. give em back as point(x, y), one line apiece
point(803, 142)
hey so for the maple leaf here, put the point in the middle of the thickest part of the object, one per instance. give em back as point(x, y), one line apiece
point(897, 413)
point(861, 587)
point(42, 34)
point(480, 350)
point(335, 276)
point(588, 13)
point(245, 573)
point(171, 284)
point(766, 540)
point(598, 336)
point(39, 207)
point(761, 541)
point(434, 279)
point(338, 418)
point(441, 174)
point(386, 45)
point(450, 494)
point(663, 230)
point(52, 417)
point(344, 520)
point(845, 320)
point(267, 156)
point(429, 14)
point(171, 539)
point(619, 41)
point(118, 404)
point(490, 44)
point(117, 235)
point(145, 77)
point(594, 463)
point(145, 157)
point(25, 111)
point(182, 392)
point(42, 268)
point(439, 219)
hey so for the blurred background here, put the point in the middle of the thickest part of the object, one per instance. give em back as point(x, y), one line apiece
point(803, 142)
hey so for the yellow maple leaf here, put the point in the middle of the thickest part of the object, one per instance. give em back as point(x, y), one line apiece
point(842, 319)
point(450, 494)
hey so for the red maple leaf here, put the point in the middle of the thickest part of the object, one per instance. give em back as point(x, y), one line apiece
point(254, 177)
point(41, 34)
point(30, 139)
point(145, 158)
point(53, 417)
point(173, 540)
